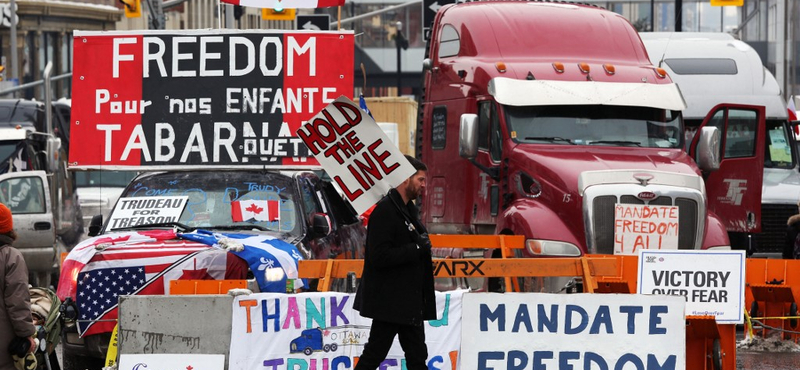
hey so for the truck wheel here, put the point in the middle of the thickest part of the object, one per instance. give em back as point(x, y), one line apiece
point(793, 313)
point(308, 351)
point(716, 355)
point(74, 362)
point(326, 348)
point(334, 347)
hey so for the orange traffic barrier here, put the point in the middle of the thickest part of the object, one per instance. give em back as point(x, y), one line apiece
point(771, 295)
point(505, 243)
point(188, 287)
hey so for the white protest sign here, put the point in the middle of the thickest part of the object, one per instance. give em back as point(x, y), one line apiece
point(638, 226)
point(192, 361)
point(355, 152)
point(135, 211)
point(322, 331)
point(711, 281)
point(572, 331)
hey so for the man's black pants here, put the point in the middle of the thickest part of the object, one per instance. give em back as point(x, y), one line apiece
point(381, 335)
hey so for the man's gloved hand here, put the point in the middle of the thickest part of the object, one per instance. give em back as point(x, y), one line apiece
point(423, 241)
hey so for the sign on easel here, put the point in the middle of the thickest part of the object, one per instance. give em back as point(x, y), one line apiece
point(355, 152)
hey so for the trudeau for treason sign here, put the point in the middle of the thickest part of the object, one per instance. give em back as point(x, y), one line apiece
point(205, 97)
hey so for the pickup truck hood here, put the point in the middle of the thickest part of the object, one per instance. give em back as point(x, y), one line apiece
point(560, 165)
point(781, 186)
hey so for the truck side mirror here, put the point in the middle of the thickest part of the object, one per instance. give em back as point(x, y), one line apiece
point(320, 224)
point(95, 225)
point(708, 149)
point(53, 148)
point(468, 136)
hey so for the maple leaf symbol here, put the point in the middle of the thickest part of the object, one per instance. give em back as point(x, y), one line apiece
point(254, 208)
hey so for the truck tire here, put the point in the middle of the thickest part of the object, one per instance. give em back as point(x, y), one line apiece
point(334, 346)
point(75, 362)
point(308, 351)
point(326, 348)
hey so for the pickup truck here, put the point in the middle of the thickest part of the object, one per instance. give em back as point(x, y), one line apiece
point(309, 214)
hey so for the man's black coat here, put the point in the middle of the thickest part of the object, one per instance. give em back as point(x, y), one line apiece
point(397, 282)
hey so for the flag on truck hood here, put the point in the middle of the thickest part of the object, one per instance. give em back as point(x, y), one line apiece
point(261, 252)
point(286, 4)
point(136, 263)
point(259, 210)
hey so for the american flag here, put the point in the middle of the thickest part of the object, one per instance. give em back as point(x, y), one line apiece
point(143, 268)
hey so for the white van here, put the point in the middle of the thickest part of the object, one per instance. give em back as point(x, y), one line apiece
point(711, 68)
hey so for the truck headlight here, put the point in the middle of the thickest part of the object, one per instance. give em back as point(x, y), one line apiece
point(539, 247)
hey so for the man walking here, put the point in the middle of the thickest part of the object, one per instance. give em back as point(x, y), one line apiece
point(15, 300)
point(396, 288)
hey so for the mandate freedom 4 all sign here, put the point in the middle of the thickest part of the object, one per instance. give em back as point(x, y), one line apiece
point(711, 281)
point(202, 97)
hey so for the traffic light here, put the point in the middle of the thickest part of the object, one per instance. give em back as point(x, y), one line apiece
point(278, 14)
point(133, 8)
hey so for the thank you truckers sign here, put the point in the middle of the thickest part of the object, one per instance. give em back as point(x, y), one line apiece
point(202, 97)
point(355, 152)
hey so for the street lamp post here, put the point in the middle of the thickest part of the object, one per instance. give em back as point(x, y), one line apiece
point(400, 42)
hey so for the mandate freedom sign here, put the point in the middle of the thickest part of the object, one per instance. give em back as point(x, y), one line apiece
point(355, 152)
point(711, 281)
point(202, 97)
point(318, 331)
point(572, 331)
point(639, 227)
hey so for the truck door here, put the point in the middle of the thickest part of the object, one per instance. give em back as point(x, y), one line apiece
point(734, 190)
point(25, 194)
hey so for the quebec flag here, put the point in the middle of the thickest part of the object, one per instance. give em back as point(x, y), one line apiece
point(262, 252)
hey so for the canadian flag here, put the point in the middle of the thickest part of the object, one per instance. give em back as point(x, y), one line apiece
point(260, 210)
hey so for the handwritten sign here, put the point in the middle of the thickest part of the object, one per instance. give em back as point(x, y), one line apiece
point(355, 152)
point(572, 331)
point(202, 97)
point(439, 127)
point(135, 211)
point(711, 281)
point(639, 226)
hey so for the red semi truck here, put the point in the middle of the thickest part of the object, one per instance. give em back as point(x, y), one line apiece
point(548, 120)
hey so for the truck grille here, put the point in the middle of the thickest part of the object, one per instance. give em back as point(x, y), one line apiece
point(603, 222)
point(773, 227)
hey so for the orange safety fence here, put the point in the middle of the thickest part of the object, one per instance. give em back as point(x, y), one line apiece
point(188, 287)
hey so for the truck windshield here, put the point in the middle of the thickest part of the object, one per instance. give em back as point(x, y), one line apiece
point(225, 200)
point(595, 125)
point(103, 178)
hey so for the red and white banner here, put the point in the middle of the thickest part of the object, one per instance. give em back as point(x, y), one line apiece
point(286, 4)
point(161, 100)
point(259, 210)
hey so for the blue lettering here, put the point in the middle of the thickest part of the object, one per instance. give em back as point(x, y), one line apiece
point(273, 363)
point(629, 358)
point(433, 361)
point(565, 357)
point(340, 360)
point(517, 360)
point(445, 314)
point(655, 319)
point(572, 309)
point(603, 317)
point(652, 363)
point(266, 316)
point(538, 356)
point(631, 311)
point(315, 315)
point(523, 317)
point(296, 364)
point(550, 322)
point(498, 315)
point(388, 362)
point(484, 357)
point(590, 358)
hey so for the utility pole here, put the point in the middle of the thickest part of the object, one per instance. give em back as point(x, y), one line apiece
point(678, 15)
point(14, 56)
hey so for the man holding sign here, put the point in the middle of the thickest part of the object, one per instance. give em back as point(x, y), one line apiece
point(396, 288)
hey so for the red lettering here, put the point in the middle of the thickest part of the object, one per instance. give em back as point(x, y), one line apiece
point(619, 239)
point(311, 139)
point(351, 196)
point(354, 141)
point(369, 169)
point(381, 157)
point(355, 119)
point(638, 243)
point(339, 129)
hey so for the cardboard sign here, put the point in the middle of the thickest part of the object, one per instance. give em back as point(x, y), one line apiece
point(638, 226)
point(323, 331)
point(135, 211)
point(712, 282)
point(160, 100)
point(572, 331)
point(355, 152)
point(191, 361)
